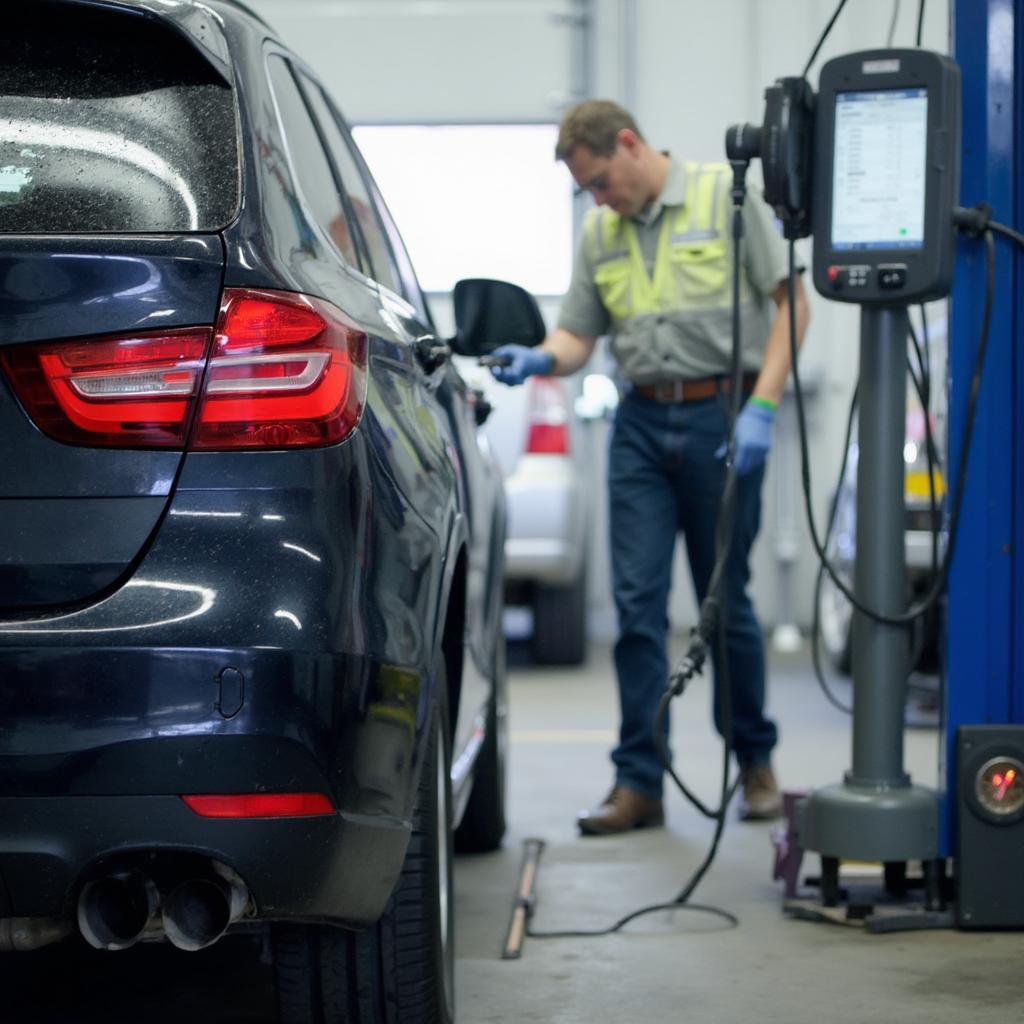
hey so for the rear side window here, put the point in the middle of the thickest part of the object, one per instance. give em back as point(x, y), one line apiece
point(310, 162)
point(111, 122)
point(358, 194)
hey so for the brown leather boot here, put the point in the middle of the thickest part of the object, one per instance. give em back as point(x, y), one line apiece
point(762, 800)
point(623, 809)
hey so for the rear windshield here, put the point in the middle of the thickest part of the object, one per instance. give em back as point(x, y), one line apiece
point(111, 122)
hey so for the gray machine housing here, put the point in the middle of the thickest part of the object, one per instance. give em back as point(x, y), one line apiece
point(900, 275)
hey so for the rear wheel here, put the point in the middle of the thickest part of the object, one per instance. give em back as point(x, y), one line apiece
point(400, 970)
point(560, 622)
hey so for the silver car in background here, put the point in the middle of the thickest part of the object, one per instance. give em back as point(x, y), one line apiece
point(538, 443)
point(540, 446)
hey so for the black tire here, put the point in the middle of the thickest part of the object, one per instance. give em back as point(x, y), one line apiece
point(483, 825)
point(560, 623)
point(835, 620)
point(400, 970)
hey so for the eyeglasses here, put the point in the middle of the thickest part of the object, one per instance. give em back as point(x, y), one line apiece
point(597, 183)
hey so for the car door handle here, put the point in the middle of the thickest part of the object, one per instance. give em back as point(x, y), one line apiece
point(482, 408)
point(431, 352)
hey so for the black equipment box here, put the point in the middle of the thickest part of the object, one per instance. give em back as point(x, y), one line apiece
point(990, 830)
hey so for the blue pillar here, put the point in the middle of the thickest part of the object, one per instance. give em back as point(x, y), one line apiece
point(985, 656)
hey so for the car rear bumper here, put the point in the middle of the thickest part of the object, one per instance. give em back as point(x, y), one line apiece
point(98, 745)
point(546, 521)
point(340, 867)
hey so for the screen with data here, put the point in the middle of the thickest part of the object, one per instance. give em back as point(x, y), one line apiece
point(878, 170)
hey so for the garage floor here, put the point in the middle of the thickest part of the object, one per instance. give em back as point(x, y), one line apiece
point(678, 967)
point(690, 967)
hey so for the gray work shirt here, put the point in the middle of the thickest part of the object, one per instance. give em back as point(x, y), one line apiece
point(689, 344)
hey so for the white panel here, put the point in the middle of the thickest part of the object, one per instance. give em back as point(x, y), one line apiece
point(433, 60)
point(694, 74)
point(507, 204)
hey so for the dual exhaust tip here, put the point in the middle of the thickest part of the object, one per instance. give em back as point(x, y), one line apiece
point(118, 909)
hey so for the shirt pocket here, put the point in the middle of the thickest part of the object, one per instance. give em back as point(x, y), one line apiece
point(612, 281)
point(701, 269)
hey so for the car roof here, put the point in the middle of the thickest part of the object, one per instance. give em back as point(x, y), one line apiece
point(198, 20)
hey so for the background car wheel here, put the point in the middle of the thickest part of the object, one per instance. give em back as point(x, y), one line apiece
point(483, 825)
point(835, 619)
point(402, 968)
point(560, 623)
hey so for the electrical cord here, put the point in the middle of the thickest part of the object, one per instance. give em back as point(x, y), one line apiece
point(923, 387)
point(939, 583)
point(711, 624)
point(1006, 232)
point(820, 578)
point(824, 36)
point(892, 23)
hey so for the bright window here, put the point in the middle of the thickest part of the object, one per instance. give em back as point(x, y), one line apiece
point(476, 201)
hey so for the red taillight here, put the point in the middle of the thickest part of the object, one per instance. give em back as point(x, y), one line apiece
point(284, 371)
point(131, 391)
point(260, 805)
point(549, 419)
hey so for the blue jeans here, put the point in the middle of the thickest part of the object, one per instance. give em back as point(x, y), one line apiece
point(664, 476)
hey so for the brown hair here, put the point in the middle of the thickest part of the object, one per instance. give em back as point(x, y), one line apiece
point(594, 124)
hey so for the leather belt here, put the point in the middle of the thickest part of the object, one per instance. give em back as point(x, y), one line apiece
point(670, 391)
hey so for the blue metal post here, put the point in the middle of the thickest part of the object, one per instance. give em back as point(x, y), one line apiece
point(986, 595)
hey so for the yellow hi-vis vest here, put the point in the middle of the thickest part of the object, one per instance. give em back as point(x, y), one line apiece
point(692, 264)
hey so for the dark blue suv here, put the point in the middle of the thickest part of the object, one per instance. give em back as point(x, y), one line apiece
point(251, 665)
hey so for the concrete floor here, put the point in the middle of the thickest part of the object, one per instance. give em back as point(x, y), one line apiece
point(665, 967)
point(690, 967)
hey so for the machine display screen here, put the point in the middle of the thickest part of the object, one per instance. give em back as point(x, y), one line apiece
point(878, 177)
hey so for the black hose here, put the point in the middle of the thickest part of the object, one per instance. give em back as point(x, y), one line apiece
point(939, 583)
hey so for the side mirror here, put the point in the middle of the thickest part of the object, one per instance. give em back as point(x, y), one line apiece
point(492, 313)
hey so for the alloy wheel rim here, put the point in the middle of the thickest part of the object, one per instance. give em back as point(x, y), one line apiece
point(835, 616)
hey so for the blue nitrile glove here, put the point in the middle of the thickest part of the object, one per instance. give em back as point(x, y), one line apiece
point(524, 363)
point(753, 434)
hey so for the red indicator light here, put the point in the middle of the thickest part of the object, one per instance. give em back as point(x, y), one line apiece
point(260, 805)
point(833, 273)
point(1001, 783)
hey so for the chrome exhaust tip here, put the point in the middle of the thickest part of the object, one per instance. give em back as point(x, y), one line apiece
point(114, 910)
point(198, 911)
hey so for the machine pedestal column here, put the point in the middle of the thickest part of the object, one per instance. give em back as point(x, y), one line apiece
point(876, 813)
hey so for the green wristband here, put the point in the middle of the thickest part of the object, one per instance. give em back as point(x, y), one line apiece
point(765, 403)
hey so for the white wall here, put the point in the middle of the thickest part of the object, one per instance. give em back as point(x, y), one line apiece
point(688, 69)
point(414, 61)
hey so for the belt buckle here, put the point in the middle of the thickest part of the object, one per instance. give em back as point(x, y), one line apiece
point(672, 391)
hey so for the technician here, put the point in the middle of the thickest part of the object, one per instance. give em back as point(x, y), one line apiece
point(654, 270)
